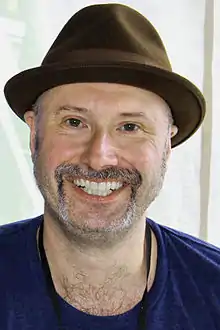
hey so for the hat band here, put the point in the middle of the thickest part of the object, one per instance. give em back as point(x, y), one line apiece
point(103, 56)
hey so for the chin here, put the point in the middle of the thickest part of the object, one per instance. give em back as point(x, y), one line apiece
point(96, 224)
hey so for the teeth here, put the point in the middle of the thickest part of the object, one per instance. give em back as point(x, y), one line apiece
point(114, 185)
point(81, 182)
point(118, 185)
point(108, 185)
point(96, 192)
point(97, 188)
point(94, 186)
point(101, 186)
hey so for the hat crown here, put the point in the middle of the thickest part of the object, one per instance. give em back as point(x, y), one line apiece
point(110, 27)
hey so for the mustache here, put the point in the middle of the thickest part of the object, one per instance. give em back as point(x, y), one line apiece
point(71, 172)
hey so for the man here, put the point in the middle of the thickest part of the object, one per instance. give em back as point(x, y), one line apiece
point(104, 110)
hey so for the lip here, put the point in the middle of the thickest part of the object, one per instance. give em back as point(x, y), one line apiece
point(99, 199)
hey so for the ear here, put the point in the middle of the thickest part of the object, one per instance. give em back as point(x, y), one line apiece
point(173, 132)
point(30, 119)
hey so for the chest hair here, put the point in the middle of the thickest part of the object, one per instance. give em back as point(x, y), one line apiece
point(114, 296)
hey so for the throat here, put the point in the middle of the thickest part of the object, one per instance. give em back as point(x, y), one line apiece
point(102, 284)
point(107, 299)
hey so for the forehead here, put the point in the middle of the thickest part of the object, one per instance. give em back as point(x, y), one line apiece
point(93, 96)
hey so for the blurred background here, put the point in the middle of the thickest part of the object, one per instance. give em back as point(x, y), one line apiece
point(190, 199)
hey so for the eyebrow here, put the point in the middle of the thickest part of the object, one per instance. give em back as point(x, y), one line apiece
point(70, 107)
point(62, 108)
point(133, 114)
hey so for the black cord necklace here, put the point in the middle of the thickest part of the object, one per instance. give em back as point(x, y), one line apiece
point(53, 294)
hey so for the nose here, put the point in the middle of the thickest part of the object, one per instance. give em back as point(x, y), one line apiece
point(100, 152)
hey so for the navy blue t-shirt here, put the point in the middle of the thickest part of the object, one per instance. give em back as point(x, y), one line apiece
point(185, 294)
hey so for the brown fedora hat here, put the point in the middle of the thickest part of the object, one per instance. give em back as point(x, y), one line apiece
point(115, 44)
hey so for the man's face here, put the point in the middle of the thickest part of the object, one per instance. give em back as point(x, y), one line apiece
point(99, 153)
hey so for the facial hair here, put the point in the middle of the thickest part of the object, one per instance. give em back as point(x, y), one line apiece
point(76, 227)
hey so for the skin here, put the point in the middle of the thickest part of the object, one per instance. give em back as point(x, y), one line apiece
point(88, 239)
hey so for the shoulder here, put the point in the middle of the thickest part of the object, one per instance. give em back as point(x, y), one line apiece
point(185, 241)
point(188, 275)
point(183, 245)
point(190, 258)
point(17, 250)
point(192, 245)
point(12, 232)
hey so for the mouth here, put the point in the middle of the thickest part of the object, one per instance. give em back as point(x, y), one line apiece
point(101, 189)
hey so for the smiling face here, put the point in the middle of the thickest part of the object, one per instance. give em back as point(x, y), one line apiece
point(99, 153)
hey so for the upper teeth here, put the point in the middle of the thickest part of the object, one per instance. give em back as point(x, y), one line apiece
point(98, 188)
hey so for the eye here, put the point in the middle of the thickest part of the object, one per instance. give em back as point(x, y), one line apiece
point(130, 127)
point(74, 122)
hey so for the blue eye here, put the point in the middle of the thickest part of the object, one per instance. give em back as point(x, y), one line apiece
point(130, 127)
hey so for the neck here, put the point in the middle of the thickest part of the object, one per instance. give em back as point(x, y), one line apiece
point(119, 268)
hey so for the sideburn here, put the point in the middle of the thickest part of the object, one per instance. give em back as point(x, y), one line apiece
point(36, 147)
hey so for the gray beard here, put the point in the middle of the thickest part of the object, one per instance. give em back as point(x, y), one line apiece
point(79, 232)
point(58, 205)
point(104, 237)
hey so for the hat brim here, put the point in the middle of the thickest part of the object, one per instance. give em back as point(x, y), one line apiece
point(184, 98)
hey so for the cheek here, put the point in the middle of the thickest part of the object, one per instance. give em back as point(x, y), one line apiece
point(144, 156)
point(59, 149)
